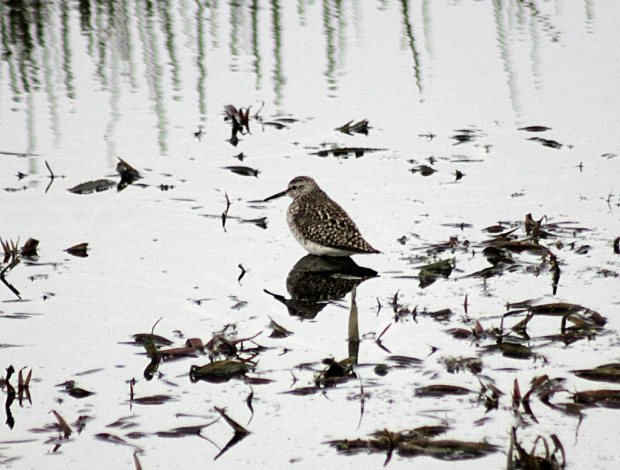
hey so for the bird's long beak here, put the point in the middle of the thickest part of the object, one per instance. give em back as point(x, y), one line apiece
point(275, 196)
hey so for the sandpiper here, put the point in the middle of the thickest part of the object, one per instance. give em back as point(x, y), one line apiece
point(320, 225)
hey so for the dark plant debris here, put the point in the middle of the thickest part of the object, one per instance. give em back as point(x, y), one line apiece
point(605, 373)
point(240, 432)
point(415, 442)
point(424, 170)
point(458, 364)
point(63, 425)
point(462, 136)
point(71, 389)
point(92, 186)
point(601, 398)
point(241, 118)
point(536, 459)
point(535, 129)
point(429, 273)
point(126, 170)
point(153, 400)
point(80, 250)
point(344, 152)
point(278, 331)
point(220, 371)
point(143, 338)
point(360, 127)
point(546, 142)
point(242, 170)
point(441, 390)
point(128, 174)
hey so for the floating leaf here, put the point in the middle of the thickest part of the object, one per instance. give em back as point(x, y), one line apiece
point(546, 142)
point(430, 272)
point(414, 443)
point(565, 309)
point(192, 347)
point(420, 432)
point(405, 361)
point(177, 352)
point(336, 371)
point(257, 380)
point(186, 430)
point(446, 449)
point(243, 170)
point(153, 400)
point(604, 373)
point(79, 250)
point(461, 333)
point(111, 438)
point(125, 422)
point(260, 222)
point(521, 246)
point(276, 124)
point(303, 391)
point(583, 250)
point(497, 229)
point(30, 248)
point(195, 343)
point(74, 391)
point(424, 170)
point(92, 186)
point(220, 371)
point(360, 127)
point(513, 350)
point(535, 129)
point(346, 151)
point(466, 135)
point(142, 338)
point(440, 315)
point(441, 390)
point(605, 398)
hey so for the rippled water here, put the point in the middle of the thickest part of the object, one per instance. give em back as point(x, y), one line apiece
point(449, 85)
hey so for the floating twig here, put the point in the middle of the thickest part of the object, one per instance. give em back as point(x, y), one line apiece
point(51, 176)
point(225, 213)
point(243, 271)
point(49, 169)
point(248, 401)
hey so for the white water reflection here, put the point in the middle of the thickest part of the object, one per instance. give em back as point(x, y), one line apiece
point(83, 82)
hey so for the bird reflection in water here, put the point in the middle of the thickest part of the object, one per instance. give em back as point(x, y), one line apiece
point(315, 281)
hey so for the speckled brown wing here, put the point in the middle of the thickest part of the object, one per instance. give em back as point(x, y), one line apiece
point(323, 221)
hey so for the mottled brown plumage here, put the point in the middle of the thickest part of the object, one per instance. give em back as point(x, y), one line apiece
point(319, 224)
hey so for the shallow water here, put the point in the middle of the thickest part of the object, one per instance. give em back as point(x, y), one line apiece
point(445, 85)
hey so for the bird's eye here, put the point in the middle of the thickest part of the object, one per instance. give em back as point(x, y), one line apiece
point(294, 187)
